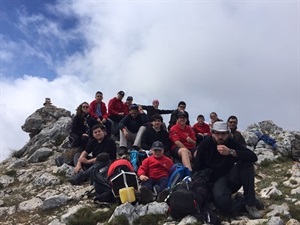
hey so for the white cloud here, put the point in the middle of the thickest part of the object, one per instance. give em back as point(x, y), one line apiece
point(232, 58)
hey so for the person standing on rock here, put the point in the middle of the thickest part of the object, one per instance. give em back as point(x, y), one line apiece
point(231, 167)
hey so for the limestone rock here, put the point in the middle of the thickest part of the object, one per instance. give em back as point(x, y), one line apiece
point(32, 204)
point(272, 190)
point(46, 179)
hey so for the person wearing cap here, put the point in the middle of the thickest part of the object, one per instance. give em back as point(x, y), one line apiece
point(153, 109)
point(127, 104)
point(180, 108)
point(232, 122)
point(154, 171)
point(99, 112)
point(47, 102)
point(155, 132)
point(116, 108)
point(201, 129)
point(183, 140)
point(101, 143)
point(132, 127)
point(231, 166)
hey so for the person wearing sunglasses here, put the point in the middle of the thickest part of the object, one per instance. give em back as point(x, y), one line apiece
point(81, 126)
point(232, 123)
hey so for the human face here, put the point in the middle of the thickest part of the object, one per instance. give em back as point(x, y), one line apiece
point(85, 108)
point(181, 107)
point(99, 97)
point(155, 104)
point(181, 120)
point(232, 124)
point(98, 134)
point(213, 117)
point(220, 137)
point(200, 120)
point(157, 153)
point(134, 113)
point(120, 97)
point(156, 124)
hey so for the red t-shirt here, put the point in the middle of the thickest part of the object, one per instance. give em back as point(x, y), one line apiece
point(178, 134)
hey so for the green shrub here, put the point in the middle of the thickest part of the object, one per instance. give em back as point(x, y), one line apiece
point(89, 216)
point(149, 219)
point(118, 220)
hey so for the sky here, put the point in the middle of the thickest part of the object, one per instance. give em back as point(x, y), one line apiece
point(231, 57)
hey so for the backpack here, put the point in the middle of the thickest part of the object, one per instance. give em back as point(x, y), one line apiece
point(101, 185)
point(176, 174)
point(182, 201)
point(136, 158)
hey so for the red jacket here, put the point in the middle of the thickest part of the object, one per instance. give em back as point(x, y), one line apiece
point(178, 134)
point(115, 106)
point(155, 168)
point(93, 107)
point(126, 108)
point(204, 129)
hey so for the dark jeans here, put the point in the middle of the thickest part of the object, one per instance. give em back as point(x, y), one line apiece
point(161, 183)
point(241, 175)
point(107, 125)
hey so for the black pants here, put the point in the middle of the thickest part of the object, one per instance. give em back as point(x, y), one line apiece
point(241, 175)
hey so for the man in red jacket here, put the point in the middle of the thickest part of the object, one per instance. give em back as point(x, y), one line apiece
point(154, 171)
point(99, 112)
point(116, 108)
point(183, 140)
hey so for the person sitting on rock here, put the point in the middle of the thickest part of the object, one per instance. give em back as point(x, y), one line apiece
point(116, 108)
point(154, 172)
point(156, 133)
point(183, 141)
point(99, 144)
point(201, 129)
point(99, 112)
point(81, 126)
point(231, 166)
point(213, 118)
point(153, 109)
point(127, 104)
point(132, 127)
point(232, 122)
point(173, 119)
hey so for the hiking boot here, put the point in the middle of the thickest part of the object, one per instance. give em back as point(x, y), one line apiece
point(162, 195)
point(145, 196)
point(253, 212)
point(259, 204)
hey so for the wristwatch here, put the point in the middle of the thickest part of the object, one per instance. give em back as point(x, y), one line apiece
point(231, 151)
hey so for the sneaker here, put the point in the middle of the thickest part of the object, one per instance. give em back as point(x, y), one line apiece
point(162, 195)
point(253, 212)
point(145, 195)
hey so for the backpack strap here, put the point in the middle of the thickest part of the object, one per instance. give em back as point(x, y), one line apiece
point(177, 176)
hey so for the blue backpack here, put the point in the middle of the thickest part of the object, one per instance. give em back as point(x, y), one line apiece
point(176, 174)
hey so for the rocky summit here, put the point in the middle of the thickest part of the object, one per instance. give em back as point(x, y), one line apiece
point(33, 190)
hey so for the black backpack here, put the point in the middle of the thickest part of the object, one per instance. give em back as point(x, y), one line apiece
point(182, 201)
point(101, 185)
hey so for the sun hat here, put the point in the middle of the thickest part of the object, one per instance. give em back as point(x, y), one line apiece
point(220, 126)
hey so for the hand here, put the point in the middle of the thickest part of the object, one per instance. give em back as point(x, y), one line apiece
point(104, 120)
point(190, 140)
point(223, 150)
point(144, 178)
point(99, 121)
point(86, 135)
point(125, 134)
point(77, 168)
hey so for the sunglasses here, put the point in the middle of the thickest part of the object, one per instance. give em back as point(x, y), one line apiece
point(85, 107)
point(157, 150)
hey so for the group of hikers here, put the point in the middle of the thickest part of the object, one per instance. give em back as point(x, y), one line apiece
point(108, 135)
